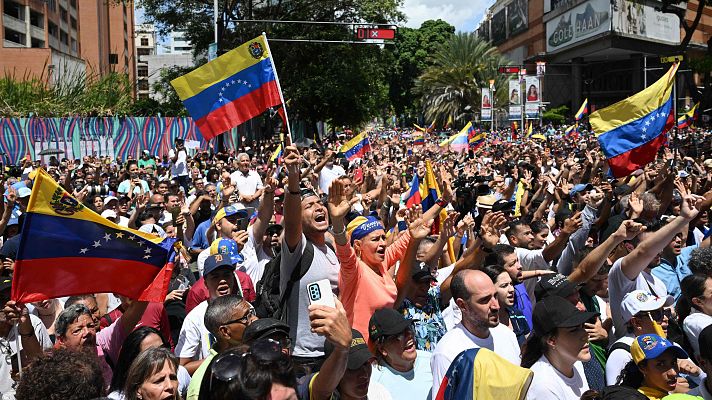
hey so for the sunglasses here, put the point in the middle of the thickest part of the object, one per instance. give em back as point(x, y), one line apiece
point(660, 314)
point(228, 366)
point(244, 319)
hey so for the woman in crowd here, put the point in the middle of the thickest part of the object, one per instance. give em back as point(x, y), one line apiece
point(261, 372)
point(694, 308)
point(139, 341)
point(556, 350)
point(366, 280)
point(509, 315)
point(153, 376)
point(654, 370)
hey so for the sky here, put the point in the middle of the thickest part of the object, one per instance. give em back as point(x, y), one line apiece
point(465, 15)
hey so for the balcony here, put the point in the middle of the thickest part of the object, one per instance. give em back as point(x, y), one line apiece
point(13, 23)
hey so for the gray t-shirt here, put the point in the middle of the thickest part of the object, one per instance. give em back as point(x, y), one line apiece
point(325, 265)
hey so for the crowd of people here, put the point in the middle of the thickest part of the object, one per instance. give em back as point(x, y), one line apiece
point(534, 274)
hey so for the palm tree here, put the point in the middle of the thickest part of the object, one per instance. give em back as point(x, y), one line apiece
point(451, 87)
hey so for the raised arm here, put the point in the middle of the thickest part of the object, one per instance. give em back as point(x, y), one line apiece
point(555, 248)
point(265, 209)
point(292, 199)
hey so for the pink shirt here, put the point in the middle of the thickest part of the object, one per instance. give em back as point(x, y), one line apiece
point(363, 290)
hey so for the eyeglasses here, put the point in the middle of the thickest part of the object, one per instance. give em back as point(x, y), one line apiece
point(228, 366)
point(242, 320)
point(660, 314)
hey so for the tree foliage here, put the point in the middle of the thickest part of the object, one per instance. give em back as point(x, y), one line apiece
point(555, 115)
point(461, 66)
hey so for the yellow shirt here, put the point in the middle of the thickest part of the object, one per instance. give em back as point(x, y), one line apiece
point(652, 393)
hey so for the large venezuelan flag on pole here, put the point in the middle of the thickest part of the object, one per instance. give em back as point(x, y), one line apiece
point(230, 90)
point(67, 249)
point(356, 147)
point(631, 131)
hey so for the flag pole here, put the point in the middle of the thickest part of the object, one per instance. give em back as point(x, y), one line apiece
point(279, 87)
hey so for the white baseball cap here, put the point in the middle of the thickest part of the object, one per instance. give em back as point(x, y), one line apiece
point(108, 214)
point(640, 301)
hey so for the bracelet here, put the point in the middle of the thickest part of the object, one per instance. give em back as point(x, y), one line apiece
point(343, 231)
point(442, 203)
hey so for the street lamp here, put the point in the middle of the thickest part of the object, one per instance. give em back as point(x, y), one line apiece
point(494, 110)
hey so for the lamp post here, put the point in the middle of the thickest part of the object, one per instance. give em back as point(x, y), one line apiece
point(494, 110)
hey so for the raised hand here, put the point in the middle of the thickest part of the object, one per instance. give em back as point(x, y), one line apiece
point(691, 206)
point(339, 204)
point(291, 160)
point(450, 225)
point(628, 230)
point(491, 229)
point(420, 228)
point(573, 223)
point(635, 204)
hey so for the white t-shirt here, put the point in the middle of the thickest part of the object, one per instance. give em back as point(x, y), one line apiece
point(617, 360)
point(194, 339)
point(7, 385)
point(693, 326)
point(412, 385)
point(452, 315)
point(619, 285)
point(327, 175)
point(247, 185)
point(255, 257)
point(501, 340)
point(550, 384)
point(180, 167)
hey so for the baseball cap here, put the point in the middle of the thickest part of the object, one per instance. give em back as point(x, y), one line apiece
point(109, 199)
point(421, 272)
point(227, 247)
point(274, 228)
point(216, 261)
point(262, 328)
point(580, 188)
point(554, 285)
point(386, 322)
point(556, 312)
point(108, 214)
point(23, 192)
point(640, 301)
point(503, 205)
point(230, 210)
point(486, 201)
point(358, 350)
point(153, 229)
point(145, 152)
point(650, 346)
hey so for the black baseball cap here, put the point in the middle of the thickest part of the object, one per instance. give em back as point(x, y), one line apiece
point(421, 272)
point(503, 205)
point(387, 322)
point(263, 328)
point(554, 285)
point(556, 312)
point(358, 350)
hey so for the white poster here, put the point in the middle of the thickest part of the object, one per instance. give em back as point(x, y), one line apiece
point(486, 98)
point(643, 21)
point(514, 94)
point(531, 88)
point(515, 113)
point(486, 114)
point(531, 111)
point(583, 21)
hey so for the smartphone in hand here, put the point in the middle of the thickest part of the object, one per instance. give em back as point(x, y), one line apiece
point(320, 293)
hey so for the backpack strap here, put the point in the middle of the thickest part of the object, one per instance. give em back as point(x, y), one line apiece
point(298, 272)
point(617, 346)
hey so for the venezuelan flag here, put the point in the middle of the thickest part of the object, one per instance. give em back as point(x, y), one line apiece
point(432, 194)
point(277, 155)
point(583, 110)
point(67, 249)
point(414, 197)
point(234, 88)
point(571, 129)
point(418, 139)
point(420, 128)
point(431, 127)
point(631, 131)
point(477, 141)
point(356, 147)
point(530, 129)
point(689, 118)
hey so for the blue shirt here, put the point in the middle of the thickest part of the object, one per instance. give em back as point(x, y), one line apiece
point(520, 326)
point(428, 323)
point(200, 237)
point(671, 274)
point(523, 302)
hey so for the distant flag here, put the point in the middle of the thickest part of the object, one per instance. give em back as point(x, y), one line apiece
point(277, 155)
point(570, 129)
point(530, 129)
point(631, 131)
point(583, 110)
point(67, 249)
point(418, 139)
point(414, 196)
point(688, 119)
point(431, 127)
point(231, 89)
point(458, 141)
point(419, 128)
point(356, 147)
point(449, 123)
point(538, 136)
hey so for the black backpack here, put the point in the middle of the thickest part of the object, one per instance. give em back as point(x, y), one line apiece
point(269, 302)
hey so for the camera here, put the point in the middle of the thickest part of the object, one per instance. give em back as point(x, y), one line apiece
point(98, 190)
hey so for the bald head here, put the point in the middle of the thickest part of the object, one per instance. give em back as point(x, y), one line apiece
point(469, 282)
point(475, 295)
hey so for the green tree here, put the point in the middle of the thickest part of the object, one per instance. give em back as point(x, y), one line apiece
point(555, 115)
point(413, 51)
point(451, 87)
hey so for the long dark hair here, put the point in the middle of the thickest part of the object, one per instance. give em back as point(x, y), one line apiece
point(631, 376)
point(129, 351)
point(533, 349)
point(692, 286)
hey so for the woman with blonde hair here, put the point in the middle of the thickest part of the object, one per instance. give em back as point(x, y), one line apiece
point(153, 376)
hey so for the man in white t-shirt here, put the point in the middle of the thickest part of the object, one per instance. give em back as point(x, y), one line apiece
point(179, 164)
point(474, 294)
point(248, 182)
point(263, 237)
point(632, 271)
point(328, 171)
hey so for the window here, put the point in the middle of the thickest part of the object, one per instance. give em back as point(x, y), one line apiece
point(37, 19)
point(74, 46)
point(143, 96)
point(184, 48)
point(142, 71)
point(63, 13)
point(143, 84)
point(14, 9)
point(143, 52)
point(52, 29)
point(37, 43)
point(52, 5)
point(73, 4)
point(73, 23)
point(14, 36)
point(113, 58)
point(144, 41)
point(179, 39)
point(63, 37)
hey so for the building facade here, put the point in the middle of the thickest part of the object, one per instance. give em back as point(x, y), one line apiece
point(603, 50)
point(62, 39)
point(146, 45)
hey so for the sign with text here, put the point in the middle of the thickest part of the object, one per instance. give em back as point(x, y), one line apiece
point(581, 22)
point(363, 33)
point(637, 19)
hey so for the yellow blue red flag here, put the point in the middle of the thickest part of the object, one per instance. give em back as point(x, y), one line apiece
point(583, 110)
point(689, 118)
point(67, 249)
point(631, 131)
point(235, 87)
point(356, 147)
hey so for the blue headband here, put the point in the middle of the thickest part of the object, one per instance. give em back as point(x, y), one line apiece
point(370, 224)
